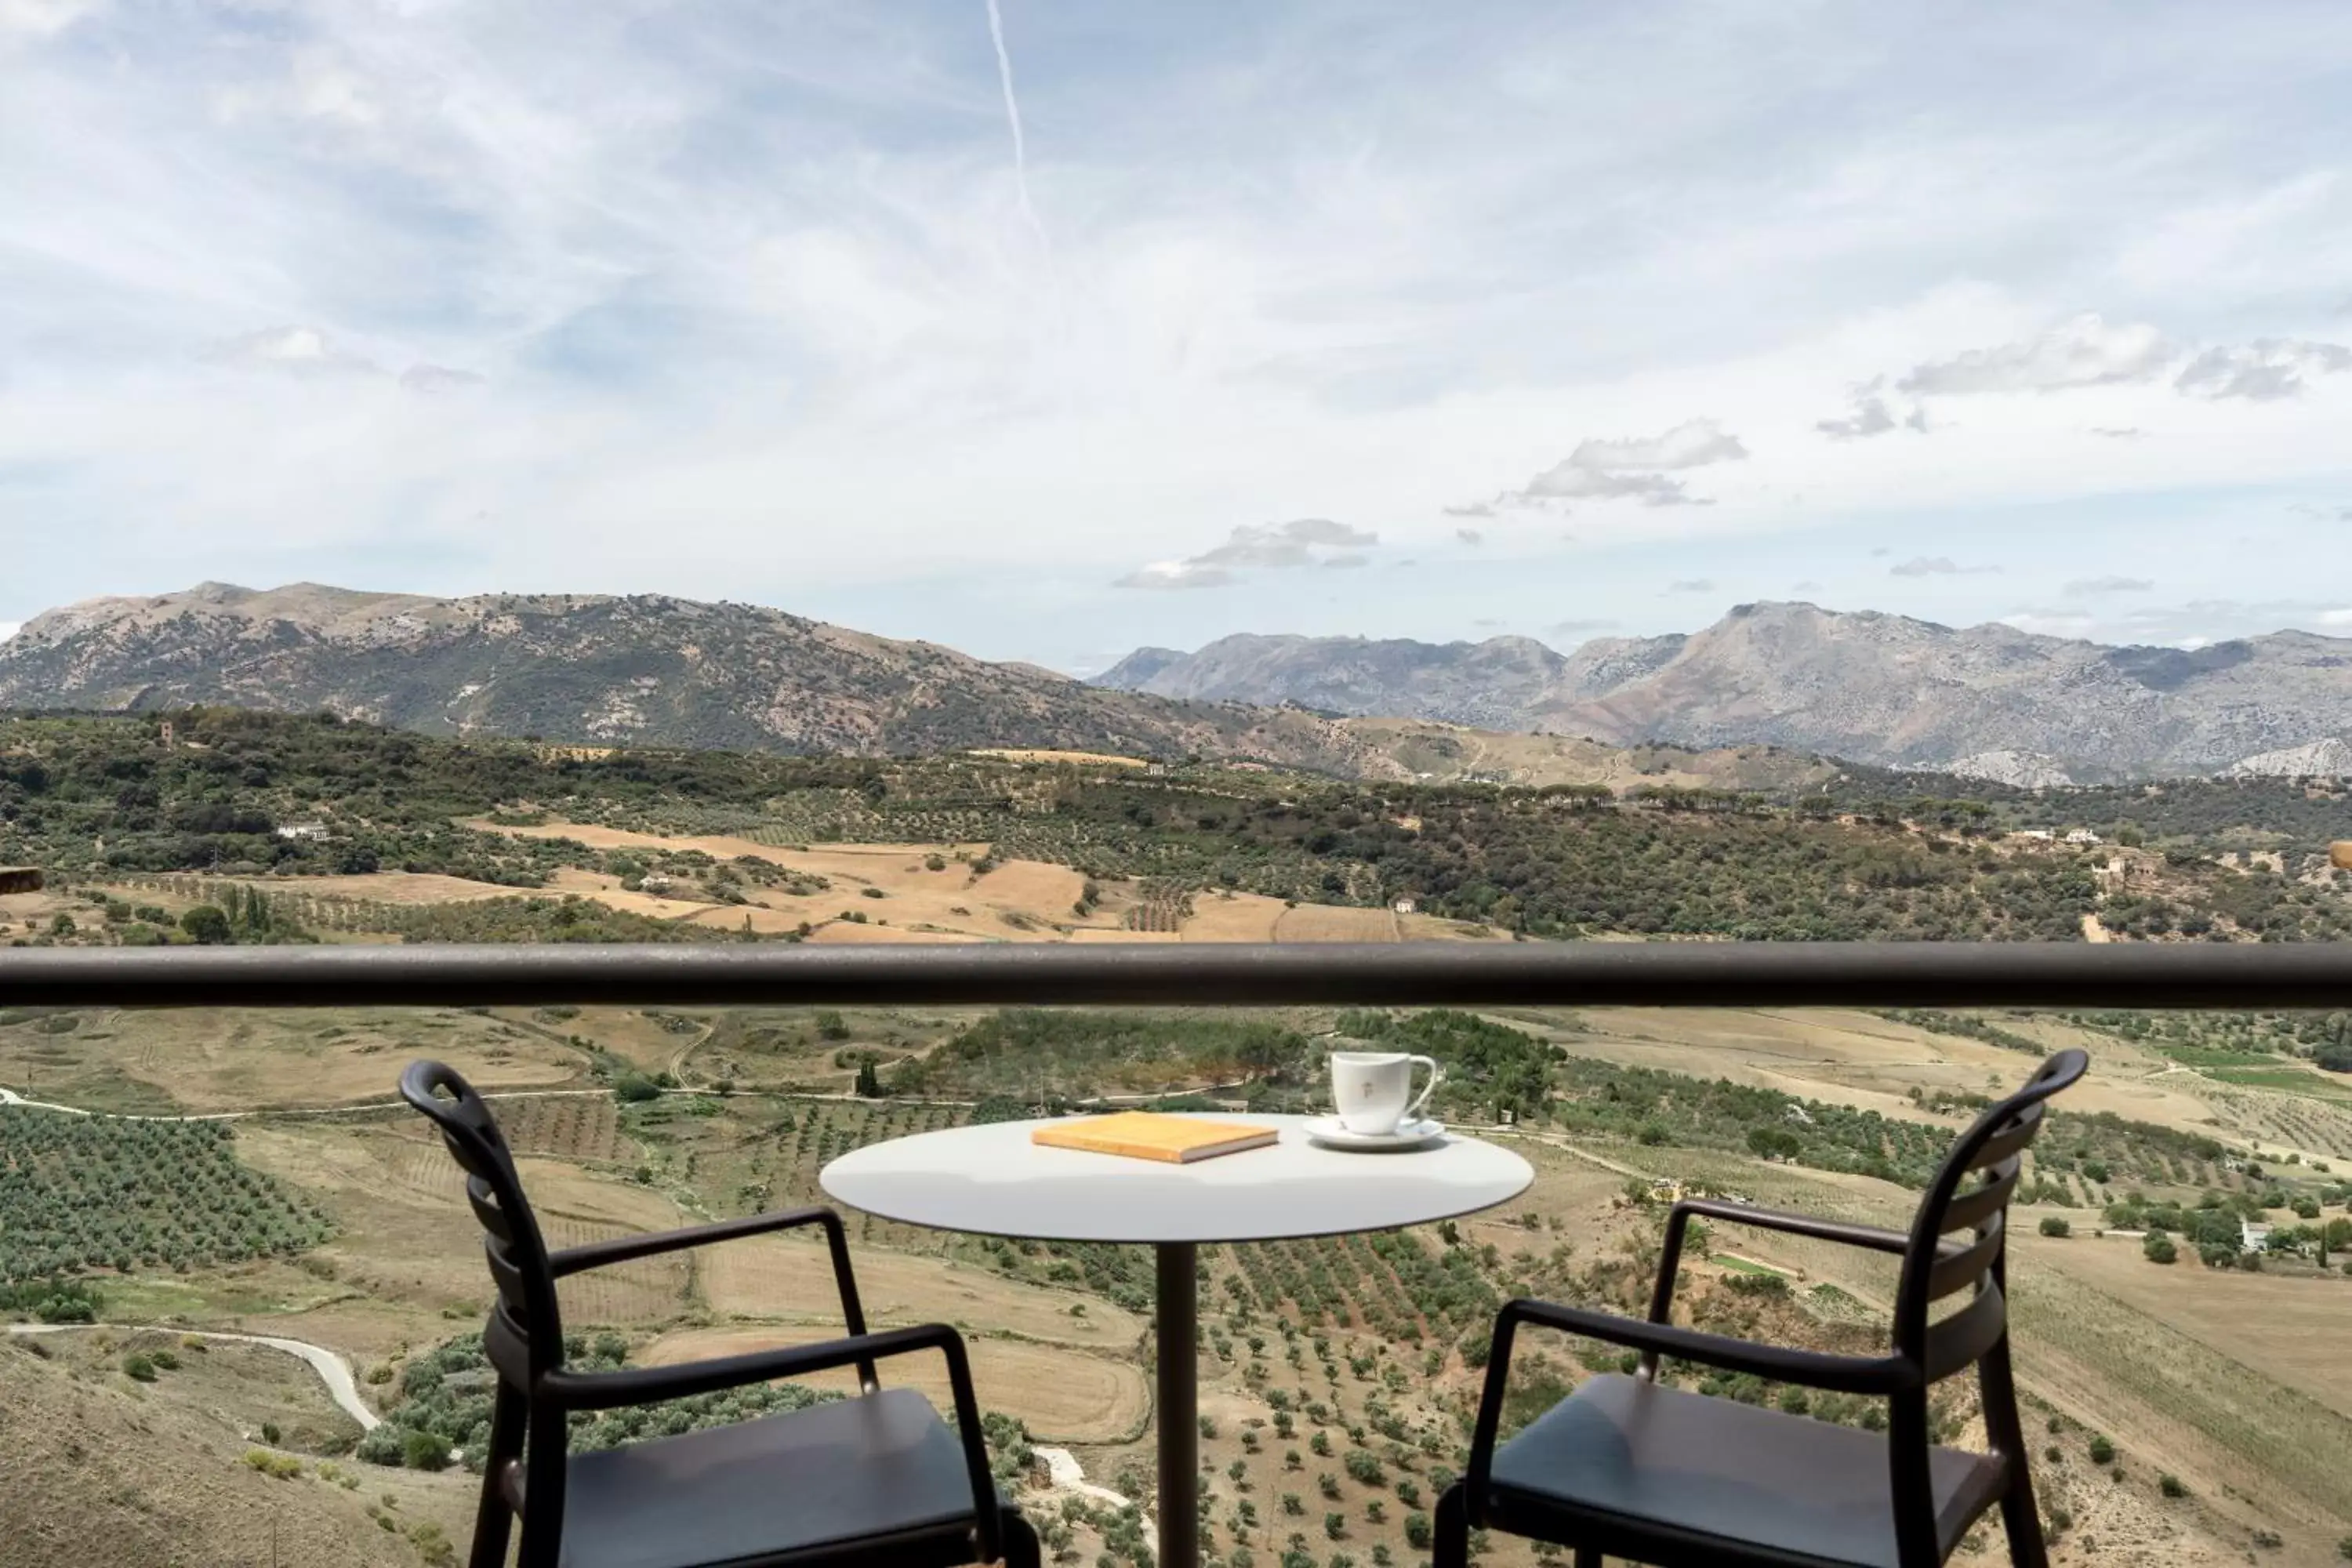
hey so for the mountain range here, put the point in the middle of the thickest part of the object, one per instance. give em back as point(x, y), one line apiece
point(651, 671)
point(1754, 700)
point(1988, 700)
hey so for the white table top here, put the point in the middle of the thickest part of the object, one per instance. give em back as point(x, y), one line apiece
point(992, 1180)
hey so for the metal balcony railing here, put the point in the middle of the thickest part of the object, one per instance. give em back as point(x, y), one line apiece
point(2268, 977)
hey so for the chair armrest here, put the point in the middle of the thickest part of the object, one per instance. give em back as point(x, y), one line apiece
point(1662, 1295)
point(627, 1248)
point(1869, 1236)
point(1814, 1369)
point(646, 1385)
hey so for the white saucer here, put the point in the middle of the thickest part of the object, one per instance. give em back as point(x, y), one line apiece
point(1329, 1130)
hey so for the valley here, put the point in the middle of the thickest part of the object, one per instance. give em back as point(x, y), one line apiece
point(301, 1202)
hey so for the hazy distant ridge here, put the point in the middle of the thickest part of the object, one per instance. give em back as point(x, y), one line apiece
point(1875, 688)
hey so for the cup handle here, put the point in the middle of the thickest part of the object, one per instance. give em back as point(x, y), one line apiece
point(1436, 1077)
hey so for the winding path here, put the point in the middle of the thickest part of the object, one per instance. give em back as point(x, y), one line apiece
point(332, 1369)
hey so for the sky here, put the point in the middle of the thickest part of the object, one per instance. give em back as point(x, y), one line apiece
point(1048, 330)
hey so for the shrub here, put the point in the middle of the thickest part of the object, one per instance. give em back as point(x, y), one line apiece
point(2102, 1452)
point(2157, 1248)
point(424, 1451)
point(138, 1368)
point(1417, 1533)
point(635, 1089)
point(2054, 1226)
point(285, 1467)
point(2169, 1485)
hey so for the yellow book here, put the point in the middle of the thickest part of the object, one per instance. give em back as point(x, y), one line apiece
point(1148, 1135)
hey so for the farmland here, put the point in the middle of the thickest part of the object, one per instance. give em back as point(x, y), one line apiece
point(366, 834)
point(1337, 1373)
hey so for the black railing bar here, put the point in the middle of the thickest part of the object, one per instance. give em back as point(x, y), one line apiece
point(1661, 975)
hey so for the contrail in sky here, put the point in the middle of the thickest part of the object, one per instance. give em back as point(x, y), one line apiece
point(1012, 114)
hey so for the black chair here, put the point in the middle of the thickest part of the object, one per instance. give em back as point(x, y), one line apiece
point(872, 1481)
point(1660, 1476)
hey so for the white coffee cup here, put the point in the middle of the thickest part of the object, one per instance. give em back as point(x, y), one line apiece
point(1373, 1090)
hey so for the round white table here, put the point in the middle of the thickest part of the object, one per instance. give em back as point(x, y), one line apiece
point(990, 1180)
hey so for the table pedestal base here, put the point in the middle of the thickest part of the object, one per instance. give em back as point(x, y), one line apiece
point(1179, 1405)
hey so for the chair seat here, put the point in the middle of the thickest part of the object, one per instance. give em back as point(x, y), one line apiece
point(883, 1464)
point(1712, 1471)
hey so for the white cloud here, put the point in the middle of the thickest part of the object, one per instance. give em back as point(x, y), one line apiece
point(2264, 370)
point(438, 380)
point(43, 18)
point(291, 350)
point(1694, 443)
point(1470, 509)
point(2083, 587)
point(1691, 586)
point(1937, 566)
point(1873, 415)
point(1470, 536)
point(2084, 352)
point(1633, 468)
point(1565, 481)
point(1258, 545)
point(1175, 575)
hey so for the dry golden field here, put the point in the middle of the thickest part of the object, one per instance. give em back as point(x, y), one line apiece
point(1019, 901)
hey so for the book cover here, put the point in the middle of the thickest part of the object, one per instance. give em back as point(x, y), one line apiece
point(1149, 1135)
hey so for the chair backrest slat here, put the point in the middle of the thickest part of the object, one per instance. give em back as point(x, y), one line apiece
point(526, 1328)
point(1969, 1198)
point(485, 1202)
point(1960, 1341)
point(1971, 1206)
point(2012, 1138)
point(1962, 1267)
point(508, 1348)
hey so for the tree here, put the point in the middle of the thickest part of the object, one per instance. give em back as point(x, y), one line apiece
point(869, 1084)
point(207, 925)
point(2157, 1248)
point(1417, 1533)
point(2052, 1225)
point(635, 1089)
